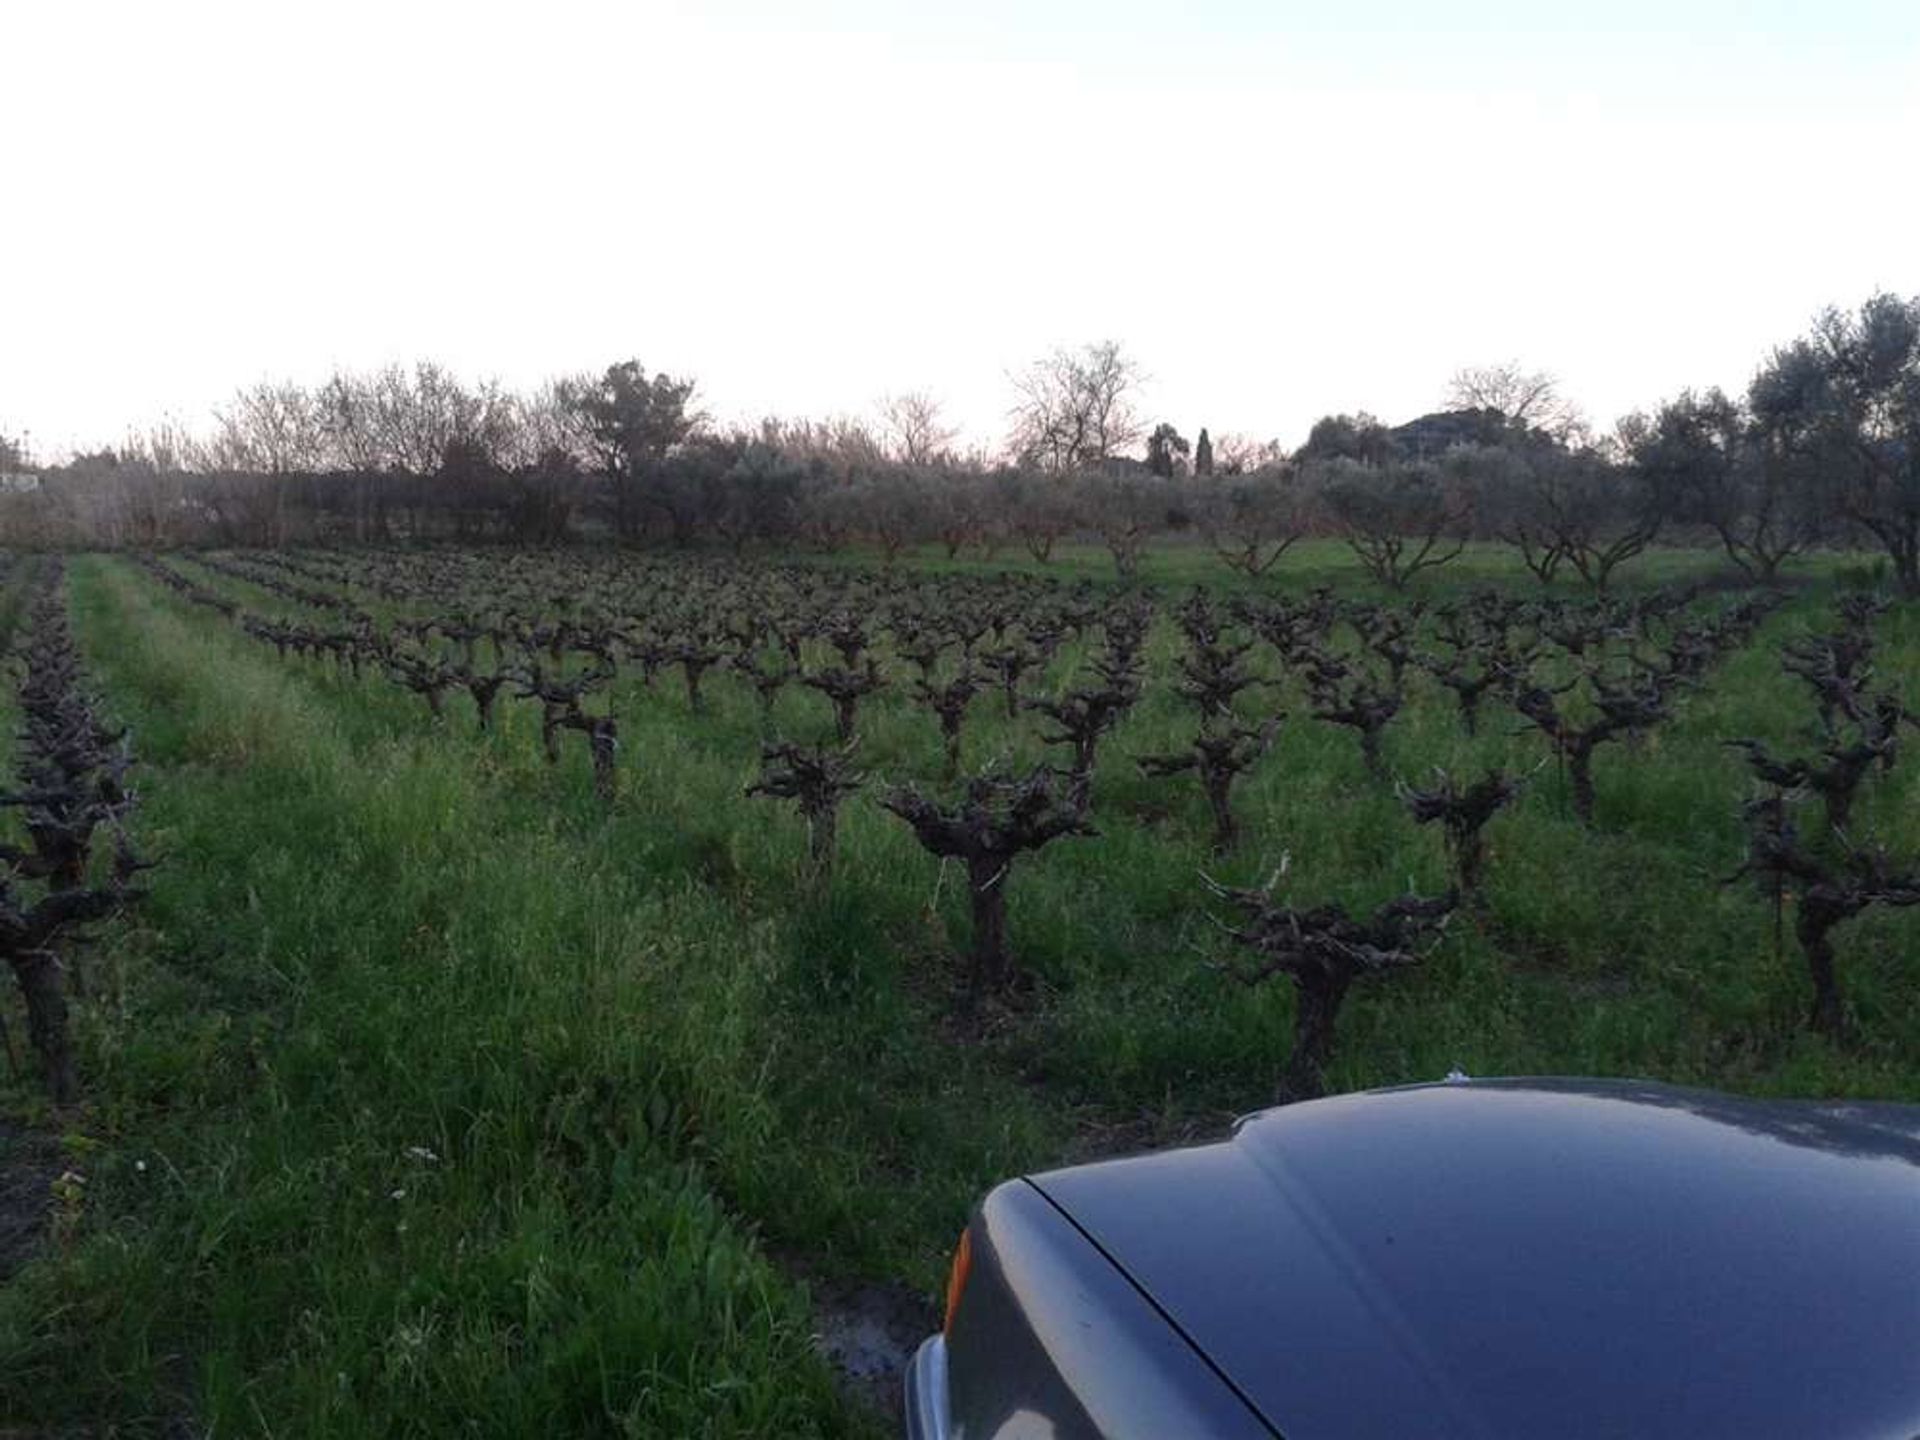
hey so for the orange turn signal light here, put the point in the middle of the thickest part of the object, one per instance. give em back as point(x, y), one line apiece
point(957, 1277)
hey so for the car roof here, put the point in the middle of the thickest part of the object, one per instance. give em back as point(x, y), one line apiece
point(1535, 1257)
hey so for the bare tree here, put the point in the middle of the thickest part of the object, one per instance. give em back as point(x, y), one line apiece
point(424, 415)
point(274, 428)
point(165, 447)
point(1238, 454)
point(841, 447)
point(551, 422)
point(1526, 397)
point(914, 429)
point(1075, 407)
point(345, 416)
point(354, 445)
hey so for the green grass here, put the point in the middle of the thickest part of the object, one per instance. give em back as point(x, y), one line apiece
point(356, 958)
point(648, 1060)
point(1176, 562)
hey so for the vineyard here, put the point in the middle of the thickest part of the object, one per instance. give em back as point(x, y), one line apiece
point(532, 985)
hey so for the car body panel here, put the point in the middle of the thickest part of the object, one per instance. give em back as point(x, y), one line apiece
point(1050, 1339)
point(926, 1392)
point(1527, 1258)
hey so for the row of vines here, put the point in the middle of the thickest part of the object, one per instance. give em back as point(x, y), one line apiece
point(988, 715)
point(70, 792)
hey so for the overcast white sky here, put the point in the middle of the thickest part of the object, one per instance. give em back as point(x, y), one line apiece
point(1280, 209)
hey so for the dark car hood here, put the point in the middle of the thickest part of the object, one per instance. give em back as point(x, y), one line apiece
point(1539, 1259)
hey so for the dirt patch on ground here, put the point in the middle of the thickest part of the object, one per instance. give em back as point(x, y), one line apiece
point(868, 1332)
point(30, 1162)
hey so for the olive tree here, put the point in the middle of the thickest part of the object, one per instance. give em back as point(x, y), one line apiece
point(635, 419)
point(1847, 399)
point(1398, 518)
point(1125, 508)
point(1251, 520)
point(1705, 461)
point(1565, 508)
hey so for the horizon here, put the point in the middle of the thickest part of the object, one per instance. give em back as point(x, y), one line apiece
point(488, 192)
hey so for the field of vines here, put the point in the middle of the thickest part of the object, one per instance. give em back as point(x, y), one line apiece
point(535, 991)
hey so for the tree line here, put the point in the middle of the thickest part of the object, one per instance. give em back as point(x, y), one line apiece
point(1822, 448)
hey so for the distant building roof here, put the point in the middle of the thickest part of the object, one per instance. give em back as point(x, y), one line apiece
point(1438, 432)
